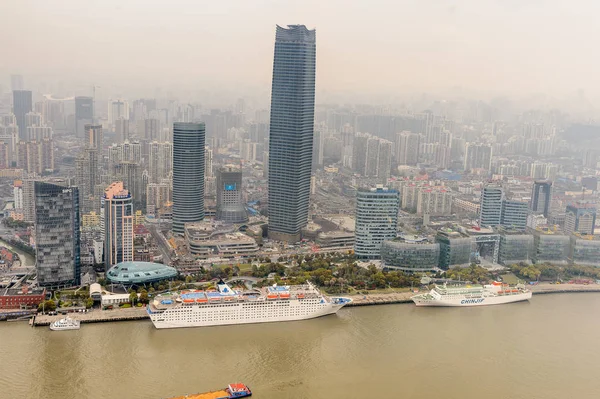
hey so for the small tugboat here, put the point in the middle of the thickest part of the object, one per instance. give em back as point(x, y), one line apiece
point(65, 323)
point(233, 391)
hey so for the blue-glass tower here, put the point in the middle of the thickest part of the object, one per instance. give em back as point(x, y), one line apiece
point(291, 131)
point(188, 174)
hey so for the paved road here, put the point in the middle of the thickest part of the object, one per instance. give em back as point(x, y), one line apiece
point(161, 243)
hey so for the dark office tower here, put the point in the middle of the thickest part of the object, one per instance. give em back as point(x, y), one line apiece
point(188, 174)
point(84, 114)
point(230, 206)
point(57, 234)
point(291, 131)
point(22, 104)
point(541, 196)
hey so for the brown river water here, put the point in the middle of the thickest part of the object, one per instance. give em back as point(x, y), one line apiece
point(546, 348)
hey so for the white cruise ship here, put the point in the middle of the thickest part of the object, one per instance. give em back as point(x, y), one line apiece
point(65, 324)
point(227, 306)
point(472, 295)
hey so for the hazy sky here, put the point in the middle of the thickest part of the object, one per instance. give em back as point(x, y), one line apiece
point(512, 46)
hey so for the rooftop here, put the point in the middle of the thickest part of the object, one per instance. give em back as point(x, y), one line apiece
point(139, 272)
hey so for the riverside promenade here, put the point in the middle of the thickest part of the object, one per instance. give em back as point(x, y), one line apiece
point(96, 316)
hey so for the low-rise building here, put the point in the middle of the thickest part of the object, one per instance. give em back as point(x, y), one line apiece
point(207, 240)
point(335, 239)
point(550, 245)
point(455, 248)
point(21, 298)
point(585, 249)
point(410, 253)
point(515, 247)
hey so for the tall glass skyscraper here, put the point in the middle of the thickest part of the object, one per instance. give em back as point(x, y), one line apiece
point(230, 205)
point(22, 104)
point(58, 260)
point(291, 131)
point(188, 174)
point(117, 225)
point(376, 220)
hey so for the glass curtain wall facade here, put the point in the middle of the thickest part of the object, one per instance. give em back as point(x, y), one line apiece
point(188, 174)
point(291, 131)
point(515, 248)
point(376, 220)
point(58, 262)
point(410, 256)
point(230, 206)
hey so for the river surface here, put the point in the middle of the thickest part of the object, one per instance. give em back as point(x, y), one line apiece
point(26, 259)
point(546, 348)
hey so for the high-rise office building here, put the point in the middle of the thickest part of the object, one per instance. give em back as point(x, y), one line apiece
point(157, 195)
point(490, 213)
point(121, 127)
point(160, 160)
point(372, 158)
point(359, 152)
point(478, 156)
point(514, 214)
point(580, 218)
point(291, 131)
point(376, 220)
point(384, 161)
point(117, 225)
point(117, 109)
point(208, 162)
point(84, 114)
point(230, 204)
point(57, 234)
point(22, 105)
point(188, 174)
point(151, 129)
point(407, 148)
point(94, 136)
point(541, 197)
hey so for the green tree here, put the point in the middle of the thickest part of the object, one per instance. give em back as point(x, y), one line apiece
point(89, 303)
point(144, 297)
point(47, 306)
point(133, 297)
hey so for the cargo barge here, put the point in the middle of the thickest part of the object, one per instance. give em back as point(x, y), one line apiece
point(233, 391)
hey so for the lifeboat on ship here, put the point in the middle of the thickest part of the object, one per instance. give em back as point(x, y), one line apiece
point(300, 296)
point(201, 300)
point(284, 295)
point(187, 300)
point(272, 296)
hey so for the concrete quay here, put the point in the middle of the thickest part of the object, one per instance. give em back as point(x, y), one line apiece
point(96, 316)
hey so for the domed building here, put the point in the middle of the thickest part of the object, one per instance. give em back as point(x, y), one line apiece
point(139, 273)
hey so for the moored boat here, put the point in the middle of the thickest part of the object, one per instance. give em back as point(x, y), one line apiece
point(65, 323)
point(472, 295)
point(233, 391)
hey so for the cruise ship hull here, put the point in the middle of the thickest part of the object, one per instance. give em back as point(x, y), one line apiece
point(483, 301)
point(241, 313)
